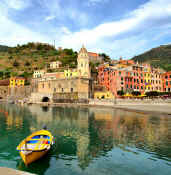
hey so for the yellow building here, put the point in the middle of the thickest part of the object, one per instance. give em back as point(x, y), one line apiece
point(103, 95)
point(17, 81)
point(147, 78)
point(69, 73)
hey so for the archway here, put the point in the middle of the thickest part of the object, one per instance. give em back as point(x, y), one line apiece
point(45, 99)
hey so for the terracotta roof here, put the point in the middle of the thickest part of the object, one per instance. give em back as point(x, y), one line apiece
point(19, 78)
point(4, 82)
point(93, 54)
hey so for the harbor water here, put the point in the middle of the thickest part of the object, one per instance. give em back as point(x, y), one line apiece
point(88, 141)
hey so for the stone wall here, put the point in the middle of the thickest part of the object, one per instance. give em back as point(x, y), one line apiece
point(38, 97)
point(20, 92)
point(105, 102)
point(4, 91)
point(69, 98)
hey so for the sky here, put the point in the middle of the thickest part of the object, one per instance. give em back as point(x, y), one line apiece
point(116, 27)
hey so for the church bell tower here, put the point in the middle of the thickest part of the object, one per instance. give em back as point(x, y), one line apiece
point(83, 63)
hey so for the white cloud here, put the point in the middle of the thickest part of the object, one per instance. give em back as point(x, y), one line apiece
point(138, 20)
point(17, 4)
point(102, 38)
point(56, 11)
point(12, 33)
point(94, 2)
point(48, 18)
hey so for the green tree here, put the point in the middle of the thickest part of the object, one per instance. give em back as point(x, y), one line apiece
point(152, 94)
point(120, 92)
point(27, 63)
point(136, 93)
point(16, 64)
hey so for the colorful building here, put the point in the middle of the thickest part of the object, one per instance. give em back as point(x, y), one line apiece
point(166, 80)
point(103, 95)
point(69, 73)
point(95, 57)
point(38, 73)
point(133, 77)
point(55, 64)
point(16, 81)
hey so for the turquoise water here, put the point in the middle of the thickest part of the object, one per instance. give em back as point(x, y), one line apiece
point(88, 141)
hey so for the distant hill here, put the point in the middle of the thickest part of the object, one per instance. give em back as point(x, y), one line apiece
point(157, 57)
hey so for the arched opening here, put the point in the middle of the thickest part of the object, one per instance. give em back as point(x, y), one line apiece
point(45, 99)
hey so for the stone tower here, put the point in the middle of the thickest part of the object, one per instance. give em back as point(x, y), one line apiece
point(83, 63)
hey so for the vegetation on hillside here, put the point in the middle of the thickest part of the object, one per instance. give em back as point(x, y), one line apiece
point(22, 60)
point(157, 57)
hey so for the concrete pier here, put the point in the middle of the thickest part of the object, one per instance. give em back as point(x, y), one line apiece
point(9, 171)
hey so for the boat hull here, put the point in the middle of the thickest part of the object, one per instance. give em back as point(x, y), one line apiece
point(35, 146)
point(32, 156)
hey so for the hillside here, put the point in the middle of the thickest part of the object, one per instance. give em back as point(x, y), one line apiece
point(157, 57)
point(22, 60)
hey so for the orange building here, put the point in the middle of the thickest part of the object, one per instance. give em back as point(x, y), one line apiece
point(166, 78)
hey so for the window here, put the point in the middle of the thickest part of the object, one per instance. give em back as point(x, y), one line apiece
point(142, 87)
point(49, 85)
point(43, 85)
point(62, 89)
point(134, 87)
point(71, 89)
point(121, 78)
point(119, 73)
point(54, 90)
point(166, 83)
point(166, 77)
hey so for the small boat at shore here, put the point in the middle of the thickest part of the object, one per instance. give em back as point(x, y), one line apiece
point(35, 146)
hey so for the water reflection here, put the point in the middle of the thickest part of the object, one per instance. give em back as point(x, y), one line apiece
point(86, 135)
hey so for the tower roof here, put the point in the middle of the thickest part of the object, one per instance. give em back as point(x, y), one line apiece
point(83, 50)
